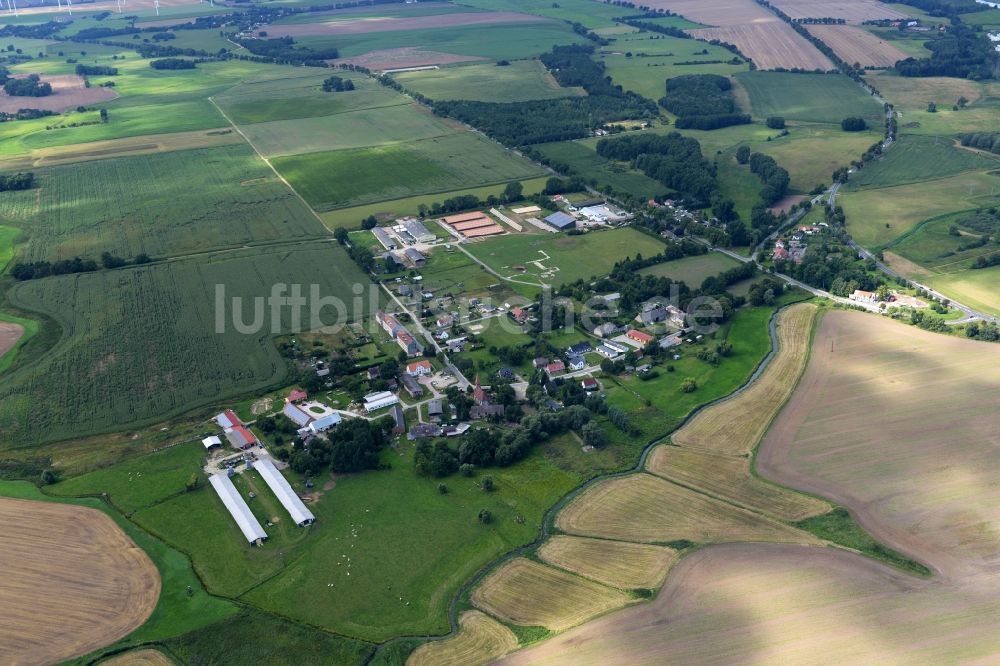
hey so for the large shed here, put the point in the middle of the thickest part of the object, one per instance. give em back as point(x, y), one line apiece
point(238, 508)
point(561, 221)
point(283, 491)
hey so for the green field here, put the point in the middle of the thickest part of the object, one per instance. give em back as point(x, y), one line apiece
point(875, 217)
point(163, 204)
point(911, 96)
point(916, 158)
point(520, 81)
point(302, 96)
point(493, 42)
point(140, 344)
point(351, 217)
point(582, 158)
point(821, 98)
point(340, 178)
point(564, 258)
point(739, 184)
point(655, 59)
point(976, 288)
point(591, 13)
point(692, 270)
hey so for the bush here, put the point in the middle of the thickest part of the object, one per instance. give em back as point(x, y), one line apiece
point(853, 124)
point(776, 122)
point(689, 385)
point(485, 517)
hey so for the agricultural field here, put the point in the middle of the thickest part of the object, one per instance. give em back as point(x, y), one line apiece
point(856, 45)
point(692, 270)
point(910, 96)
point(648, 509)
point(351, 25)
point(656, 58)
point(143, 657)
point(616, 563)
point(851, 11)
point(725, 428)
point(918, 158)
point(818, 98)
point(560, 258)
point(770, 45)
point(146, 204)
point(531, 594)
point(480, 638)
point(440, 165)
point(876, 217)
point(519, 81)
point(583, 160)
point(74, 581)
point(144, 338)
point(977, 288)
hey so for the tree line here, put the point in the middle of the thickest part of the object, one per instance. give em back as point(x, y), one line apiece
point(34, 270)
point(961, 52)
point(672, 159)
point(983, 141)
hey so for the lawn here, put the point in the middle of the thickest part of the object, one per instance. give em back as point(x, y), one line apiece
point(343, 178)
point(916, 158)
point(564, 258)
point(692, 270)
point(584, 161)
point(149, 204)
point(140, 345)
point(821, 98)
point(520, 81)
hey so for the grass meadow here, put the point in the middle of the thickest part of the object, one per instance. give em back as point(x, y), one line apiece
point(570, 257)
point(519, 81)
point(584, 161)
point(820, 98)
point(692, 270)
point(917, 158)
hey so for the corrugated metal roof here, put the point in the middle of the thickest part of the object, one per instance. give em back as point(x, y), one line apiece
point(560, 220)
point(283, 491)
point(238, 508)
point(296, 414)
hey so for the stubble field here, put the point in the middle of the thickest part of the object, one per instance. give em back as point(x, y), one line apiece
point(72, 582)
point(479, 639)
point(852, 11)
point(857, 45)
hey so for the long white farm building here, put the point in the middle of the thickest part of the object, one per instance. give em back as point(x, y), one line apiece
point(283, 491)
point(238, 508)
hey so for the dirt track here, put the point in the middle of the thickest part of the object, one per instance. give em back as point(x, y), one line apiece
point(857, 430)
point(70, 582)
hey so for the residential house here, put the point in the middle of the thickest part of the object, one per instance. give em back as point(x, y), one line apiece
point(373, 373)
point(480, 412)
point(653, 315)
point(519, 315)
point(589, 384)
point(555, 369)
point(409, 344)
point(576, 363)
point(864, 296)
point(676, 316)
point(579, 349)
point(445, 321)
point(540, 362)
point(296, 395)
point(419, 368)
point(607, 330)
point(505, 374)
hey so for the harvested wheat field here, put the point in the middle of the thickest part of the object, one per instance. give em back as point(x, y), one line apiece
point(856, 45)
point(532, 594)
point(144, 657)
point(852, 11)
point(899, 425)
point(783, 604)
point(70, 582)
point(361, 26)
point(480, 639)
point(770, 45)
point(403, 57)
point(646, 508)
point(729, 477)
point(737, 424)
point(716, 12)
point(68, 92)
point(616, 563)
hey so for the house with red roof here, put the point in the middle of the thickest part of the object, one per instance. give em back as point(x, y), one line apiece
point(639, 336)
point(419, 368)
point(296, 395)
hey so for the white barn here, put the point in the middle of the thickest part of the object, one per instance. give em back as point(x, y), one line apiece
point(283, 491)
point(324, 423)
point(375, 401)
point(238, 508)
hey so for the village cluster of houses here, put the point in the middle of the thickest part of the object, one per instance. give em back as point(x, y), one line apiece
point(399, 333)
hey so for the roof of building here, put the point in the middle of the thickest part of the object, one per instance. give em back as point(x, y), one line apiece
point(424, 430)
point(580, 348)
point(416, 365)
point(296, 395)
point(561, 220)
point(237, 507)
point(435, 406)
point(639, 336)
point(484, 411)
point(211, 441)
point(240, 437)
point(414, 254)
point(416, 228)
point(227, 419)
point(589, 382)
point(463, 217)
point(555, 366)
point(283, 491)
point(491, 230)
point(324, 423)
point(296, 414)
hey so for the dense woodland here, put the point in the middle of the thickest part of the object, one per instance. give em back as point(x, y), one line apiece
point(542, 121)
point(674, 160)
point(983, 141)
point(29, 86)
point(283, 49)
point(960, 52)
point(172, 63)
point(703, 102)
point(774, 177)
